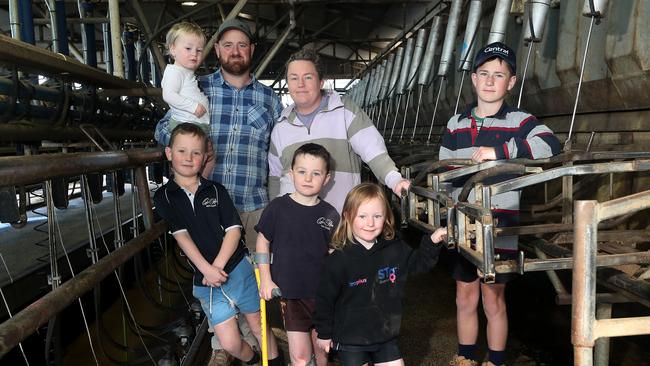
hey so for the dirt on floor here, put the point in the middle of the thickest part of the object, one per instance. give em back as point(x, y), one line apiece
point(539, 329)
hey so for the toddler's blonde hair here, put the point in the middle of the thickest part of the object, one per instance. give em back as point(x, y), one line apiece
point(183, 28)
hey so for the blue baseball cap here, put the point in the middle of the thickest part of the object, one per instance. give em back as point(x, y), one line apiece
point(496, 50)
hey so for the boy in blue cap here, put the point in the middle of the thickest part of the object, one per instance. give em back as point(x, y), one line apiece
point(489, 129)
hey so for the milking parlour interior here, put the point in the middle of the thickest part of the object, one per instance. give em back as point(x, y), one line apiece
point(91, 273)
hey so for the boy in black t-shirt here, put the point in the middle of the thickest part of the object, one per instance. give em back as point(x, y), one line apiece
point(297, 229)
point(206, 226)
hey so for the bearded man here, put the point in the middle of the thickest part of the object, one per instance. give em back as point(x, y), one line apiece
point(242, 114)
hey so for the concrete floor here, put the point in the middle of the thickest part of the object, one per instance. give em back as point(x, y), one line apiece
point(21, 250)
point(539, 329)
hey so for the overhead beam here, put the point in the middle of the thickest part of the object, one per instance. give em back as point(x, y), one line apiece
point(26, 56)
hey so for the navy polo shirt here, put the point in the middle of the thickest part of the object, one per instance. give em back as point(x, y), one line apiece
point(207, 220)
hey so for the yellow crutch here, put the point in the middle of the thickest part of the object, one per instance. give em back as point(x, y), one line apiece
point(264, 345)
point(276, 293)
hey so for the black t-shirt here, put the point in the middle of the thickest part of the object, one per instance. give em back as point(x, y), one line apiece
point(300, 237)
point(213, 213)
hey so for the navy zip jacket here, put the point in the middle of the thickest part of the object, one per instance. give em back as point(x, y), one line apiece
point(359, 299)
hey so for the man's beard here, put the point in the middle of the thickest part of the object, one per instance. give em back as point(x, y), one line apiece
point(238, 66)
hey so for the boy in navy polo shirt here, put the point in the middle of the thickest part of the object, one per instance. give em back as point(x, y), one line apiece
point(206, 226)
point(491, 130)
point(297, 229)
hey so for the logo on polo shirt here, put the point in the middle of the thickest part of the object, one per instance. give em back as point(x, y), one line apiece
point(325, 223)
point(209, 202)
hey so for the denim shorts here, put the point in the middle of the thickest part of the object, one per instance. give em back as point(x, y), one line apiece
point(238, 294)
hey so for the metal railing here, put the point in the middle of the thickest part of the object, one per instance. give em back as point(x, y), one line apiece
point(472, 231)
point(586, 329)
point(19, 171)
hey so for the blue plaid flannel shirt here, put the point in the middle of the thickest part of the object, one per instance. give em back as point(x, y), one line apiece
point(241, 122)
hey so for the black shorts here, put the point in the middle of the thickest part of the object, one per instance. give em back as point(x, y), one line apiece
point(297, 314)
point(359, 355)
point(463, 270)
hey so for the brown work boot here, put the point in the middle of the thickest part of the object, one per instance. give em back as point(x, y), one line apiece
point(462, 361)
point(220, 358)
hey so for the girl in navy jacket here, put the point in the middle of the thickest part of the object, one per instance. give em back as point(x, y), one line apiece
point(359, 299)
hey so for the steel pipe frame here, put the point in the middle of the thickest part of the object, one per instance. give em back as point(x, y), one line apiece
point(30, 57)
point(65, 102)
point(484, 193)
point(482, 256)
point(38, 313)
point(157, 53)
point(585, 328)
point(116, 34)
point(276, 46)
point(573, 156)
point(17, 132)
point(435, 200)
point(536, 265)
point(485, 264)
point(21, 170)
point(586, 169)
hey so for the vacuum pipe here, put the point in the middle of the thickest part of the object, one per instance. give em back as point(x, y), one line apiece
point(27, 20)
point(468, 46)
point(595, 13)
point(499, 21)
point(535, 22)
point(372, 81)
point(432, 43)
point(383, 93)
point(380, 81)
point(116, 46)
point(54, 31)
point(143, 60)
point(14, 19)
point(417, 57)
point(594, 8)
point(469, 43)
point(533, 32)
point(62, 28)
point(128, 44)
point(88, 35)
point(450, 37)
point(406, 64)
point(396, 68)
point(108, 51)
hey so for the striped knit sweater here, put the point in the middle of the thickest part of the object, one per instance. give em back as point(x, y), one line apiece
point(514, 134)
point(349, 136)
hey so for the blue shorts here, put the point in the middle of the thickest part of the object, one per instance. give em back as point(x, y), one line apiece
point(238, 294)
